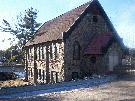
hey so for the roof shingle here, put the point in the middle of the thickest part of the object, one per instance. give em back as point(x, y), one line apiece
point(53, 29)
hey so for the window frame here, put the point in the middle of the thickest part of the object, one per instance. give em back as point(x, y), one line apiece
point(76, 51)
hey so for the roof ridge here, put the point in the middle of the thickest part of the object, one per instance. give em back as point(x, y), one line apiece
point(67, 12)
point(58, 24)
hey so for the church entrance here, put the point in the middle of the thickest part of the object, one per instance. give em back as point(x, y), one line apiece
point(113, 60)
point(54, 76)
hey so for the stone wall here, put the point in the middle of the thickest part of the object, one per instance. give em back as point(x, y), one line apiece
point(48, 62)
point(101, 66)
point(83, 34)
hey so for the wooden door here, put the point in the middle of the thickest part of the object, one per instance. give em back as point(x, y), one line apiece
point(113, 60)
point(54, 77)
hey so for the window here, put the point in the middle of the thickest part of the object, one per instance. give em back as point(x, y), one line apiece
point(45, 52)
point(32, 53)
point(41, 50)
point(54, 76)
point(56, 52)
point(29, 53)
point(44, 75)
point(37, 53)
point(95, 19)
point(40, 75)
point(74, 75)
point(76, 51)
point(57, 75)
point(88, 14)
point(31, 72)
point(51, 55)
point(93, 59)
point(43, 57)
point(53, 51)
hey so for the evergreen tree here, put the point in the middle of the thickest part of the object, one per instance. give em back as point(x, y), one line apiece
point(25, 27)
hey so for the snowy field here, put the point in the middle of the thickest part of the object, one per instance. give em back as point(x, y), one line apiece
point(117, 90)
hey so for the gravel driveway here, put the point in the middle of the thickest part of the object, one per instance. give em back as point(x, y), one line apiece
point(122, 89)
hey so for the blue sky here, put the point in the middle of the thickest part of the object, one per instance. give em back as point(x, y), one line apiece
point(120, 12)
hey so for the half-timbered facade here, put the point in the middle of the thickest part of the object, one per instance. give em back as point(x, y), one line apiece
point(74, 45)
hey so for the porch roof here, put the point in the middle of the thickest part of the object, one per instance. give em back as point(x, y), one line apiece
point(96, 46)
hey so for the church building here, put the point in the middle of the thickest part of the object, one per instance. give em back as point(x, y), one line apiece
point(74, 45)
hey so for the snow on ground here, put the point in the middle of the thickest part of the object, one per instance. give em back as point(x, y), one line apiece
point(20, 74)
point(65, 87)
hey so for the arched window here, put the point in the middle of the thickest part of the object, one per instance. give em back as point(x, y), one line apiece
point(95, 18)
point(76, 51)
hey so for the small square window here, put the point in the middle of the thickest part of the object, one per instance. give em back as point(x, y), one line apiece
point(88, 14)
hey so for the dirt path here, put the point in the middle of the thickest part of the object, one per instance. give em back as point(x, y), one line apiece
point(10, 83)
point(120, 90)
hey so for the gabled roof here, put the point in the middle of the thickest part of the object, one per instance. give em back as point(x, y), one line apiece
point(65, 23)
point(53, 29)
point(98, 43)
